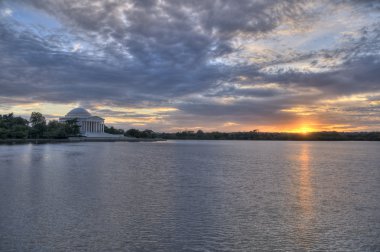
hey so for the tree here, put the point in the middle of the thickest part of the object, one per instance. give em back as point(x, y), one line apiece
point(133, 133)
point(112, 130)
point(13, 127)
point(36, 118)
point(148, 134)
point(200, 134)
point(38, 122)
point(55, 129)
point(72, 128)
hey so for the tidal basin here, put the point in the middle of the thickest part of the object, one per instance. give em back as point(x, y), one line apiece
point(190, 196)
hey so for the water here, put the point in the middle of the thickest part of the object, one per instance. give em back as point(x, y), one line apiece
point(190, 196)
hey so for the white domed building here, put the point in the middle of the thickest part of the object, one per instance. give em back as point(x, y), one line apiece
point(89, 125)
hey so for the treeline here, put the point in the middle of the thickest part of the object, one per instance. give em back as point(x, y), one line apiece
point(132, 132)
point(256, 135)
point(114, 131)
point(12, 127)
point(142, 133)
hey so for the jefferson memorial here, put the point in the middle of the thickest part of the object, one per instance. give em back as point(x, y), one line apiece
point(88, 123)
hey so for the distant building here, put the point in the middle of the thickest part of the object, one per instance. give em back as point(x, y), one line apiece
point(88, 123)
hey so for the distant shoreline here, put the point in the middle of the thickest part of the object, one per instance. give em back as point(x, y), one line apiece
point(268, 136)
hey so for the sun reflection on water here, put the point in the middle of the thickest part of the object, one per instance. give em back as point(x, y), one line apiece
point(305, 188)
point(305, 199)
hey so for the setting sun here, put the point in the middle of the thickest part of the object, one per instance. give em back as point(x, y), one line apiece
point(303, 130)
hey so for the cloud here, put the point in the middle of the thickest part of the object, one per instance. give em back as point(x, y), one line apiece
point(229, 62)
point(6, 12)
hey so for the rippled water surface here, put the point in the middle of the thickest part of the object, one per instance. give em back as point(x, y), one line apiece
point(190, 196)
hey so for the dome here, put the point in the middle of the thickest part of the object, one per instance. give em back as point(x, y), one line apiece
point(78, 113)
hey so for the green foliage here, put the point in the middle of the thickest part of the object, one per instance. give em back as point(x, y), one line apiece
point(148, 134)
point(38, 122)
point(18, 127)
point(13, 127)
point(112, 130)
point(256, 135)
point(132, 133)
point(36, 118)
point(56, 130)
point(140, 134)
point(215, 135)
point(72, 128)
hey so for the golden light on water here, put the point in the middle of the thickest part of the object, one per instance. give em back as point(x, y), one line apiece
point(305, 199)
point(305, 187)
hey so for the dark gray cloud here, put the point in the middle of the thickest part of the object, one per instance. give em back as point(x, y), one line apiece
point(354, 76)
point(170, 53)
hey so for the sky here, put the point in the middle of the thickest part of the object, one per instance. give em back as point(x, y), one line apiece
point(170, 65)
